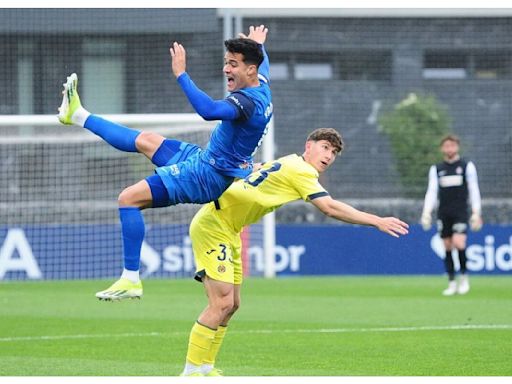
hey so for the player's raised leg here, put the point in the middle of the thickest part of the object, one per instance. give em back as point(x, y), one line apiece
point(71, 112)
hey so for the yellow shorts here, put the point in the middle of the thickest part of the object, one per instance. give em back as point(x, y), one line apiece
point(217, 248)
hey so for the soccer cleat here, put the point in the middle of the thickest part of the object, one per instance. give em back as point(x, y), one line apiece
point(451, 290)
point(192, 374)
point(215, 372)
point(463, 287)
point(121, 289)
point(70, 100)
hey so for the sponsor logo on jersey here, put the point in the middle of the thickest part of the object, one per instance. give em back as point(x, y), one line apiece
point(174, 170)
point(451, 181)
point(236, 101)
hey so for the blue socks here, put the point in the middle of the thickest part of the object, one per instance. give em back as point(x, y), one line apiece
point(118, 136)
point(133, 230)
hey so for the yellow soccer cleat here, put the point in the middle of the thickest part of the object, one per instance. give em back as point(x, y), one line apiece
point(121, 289)
point(215, 372)
point(192, 374)
point(70, 100)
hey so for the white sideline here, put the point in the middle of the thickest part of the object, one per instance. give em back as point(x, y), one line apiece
point(269, 331)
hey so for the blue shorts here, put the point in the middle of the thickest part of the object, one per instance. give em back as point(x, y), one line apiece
point(182, 177)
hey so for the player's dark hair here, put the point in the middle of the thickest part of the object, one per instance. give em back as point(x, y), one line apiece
point(450, 137)
point(251, 50)
point(328, 134)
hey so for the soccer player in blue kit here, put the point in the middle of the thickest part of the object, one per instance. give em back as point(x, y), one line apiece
point(185, 172)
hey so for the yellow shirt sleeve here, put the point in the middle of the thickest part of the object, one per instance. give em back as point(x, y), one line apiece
point(306, 182)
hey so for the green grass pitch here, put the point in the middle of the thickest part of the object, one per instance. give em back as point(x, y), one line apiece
point(322, 326)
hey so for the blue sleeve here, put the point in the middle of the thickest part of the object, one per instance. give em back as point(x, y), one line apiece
point(243, 103)
point(204, 105)
point(264, 69)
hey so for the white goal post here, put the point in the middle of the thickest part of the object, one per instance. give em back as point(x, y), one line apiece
point(60, 184)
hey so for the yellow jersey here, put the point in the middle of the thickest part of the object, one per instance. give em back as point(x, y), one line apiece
point(278, 182)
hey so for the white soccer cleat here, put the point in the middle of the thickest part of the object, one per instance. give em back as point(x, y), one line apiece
point(121, 289)
point(451, 290)
point(463, 287)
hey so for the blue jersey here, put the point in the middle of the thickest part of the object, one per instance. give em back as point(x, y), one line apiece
point(234, 142)
point(244, 116)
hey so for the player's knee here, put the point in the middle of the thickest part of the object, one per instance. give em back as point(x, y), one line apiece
point(459, 241)
point(226, 305)
point(148, 141)
point(126, 198)
point(137, 195)
point(236, 306)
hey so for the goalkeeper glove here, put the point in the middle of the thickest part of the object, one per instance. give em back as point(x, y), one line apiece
point(475, 222)
point(426, 221)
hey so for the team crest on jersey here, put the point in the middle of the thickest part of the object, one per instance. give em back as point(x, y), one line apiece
point(459, 170)
point(221, 269)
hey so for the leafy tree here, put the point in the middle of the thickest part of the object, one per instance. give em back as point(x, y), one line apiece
point(415, 126)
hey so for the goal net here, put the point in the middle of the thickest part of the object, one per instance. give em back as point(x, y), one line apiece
point(58, 205)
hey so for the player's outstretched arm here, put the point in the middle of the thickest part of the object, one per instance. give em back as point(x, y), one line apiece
point(204, 105)
point(344, 212)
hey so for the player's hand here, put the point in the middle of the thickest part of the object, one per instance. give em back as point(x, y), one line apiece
point(426, 221)
point(258, 34)
point(393, 226)
point(475, 222)
point(179, 59)
point(256, 167)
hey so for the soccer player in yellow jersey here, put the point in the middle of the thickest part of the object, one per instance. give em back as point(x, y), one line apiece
point(215, 233)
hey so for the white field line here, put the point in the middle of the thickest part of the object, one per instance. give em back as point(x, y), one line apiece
point(268, 331)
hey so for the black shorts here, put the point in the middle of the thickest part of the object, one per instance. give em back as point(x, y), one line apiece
point(448, 224)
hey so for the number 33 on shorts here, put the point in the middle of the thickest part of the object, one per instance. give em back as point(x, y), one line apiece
point(221, 261)
point(223, 254)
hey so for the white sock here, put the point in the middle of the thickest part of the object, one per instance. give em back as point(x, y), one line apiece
point(133, 276)
point(191, 368)
point(80, 116)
